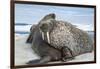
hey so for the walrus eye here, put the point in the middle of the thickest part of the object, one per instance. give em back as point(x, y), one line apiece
point(44, 27)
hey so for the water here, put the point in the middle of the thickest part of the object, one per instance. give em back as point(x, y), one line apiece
point(21, 32)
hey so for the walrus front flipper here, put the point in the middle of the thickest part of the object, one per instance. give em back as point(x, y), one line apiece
point(67, 54)
point(43, 60)
point(34, 61)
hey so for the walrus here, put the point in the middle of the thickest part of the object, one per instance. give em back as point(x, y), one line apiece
point(43, 49)
point(64, 37)
point(32, 29)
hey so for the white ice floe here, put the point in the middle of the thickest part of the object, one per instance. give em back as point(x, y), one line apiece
point(24, 28)
point(85, 27)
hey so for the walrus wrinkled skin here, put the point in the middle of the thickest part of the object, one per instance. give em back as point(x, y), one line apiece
point(63, 36)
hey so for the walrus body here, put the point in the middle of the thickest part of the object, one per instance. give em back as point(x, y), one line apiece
point(43, 49)
point(66, 34)
point(56, 40)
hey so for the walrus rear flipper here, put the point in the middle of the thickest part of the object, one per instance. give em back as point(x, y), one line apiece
point(40, 61)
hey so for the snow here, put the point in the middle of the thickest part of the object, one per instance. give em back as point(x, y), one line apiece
point(24, 53)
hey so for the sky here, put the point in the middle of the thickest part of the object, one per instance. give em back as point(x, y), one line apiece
point(83, 18)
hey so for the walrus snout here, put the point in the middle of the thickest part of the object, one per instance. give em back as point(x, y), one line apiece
point(44, 28)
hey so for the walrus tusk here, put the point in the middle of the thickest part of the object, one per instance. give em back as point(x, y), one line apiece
point(48, 37)
point(43, 35)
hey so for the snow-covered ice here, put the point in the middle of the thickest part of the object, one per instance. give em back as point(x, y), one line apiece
point(24, 53)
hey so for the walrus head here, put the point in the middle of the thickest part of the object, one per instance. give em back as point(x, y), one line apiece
point(46, 25)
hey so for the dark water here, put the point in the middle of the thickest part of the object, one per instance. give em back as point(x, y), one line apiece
point(21, 32)
point(21, 24)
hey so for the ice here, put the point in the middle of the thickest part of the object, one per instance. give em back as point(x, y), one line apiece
point(24, 52)
point(85, 27)
point(24, 28)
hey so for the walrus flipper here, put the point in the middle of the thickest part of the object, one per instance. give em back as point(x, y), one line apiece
point(43, 60)
point(67, 54)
